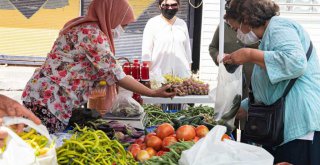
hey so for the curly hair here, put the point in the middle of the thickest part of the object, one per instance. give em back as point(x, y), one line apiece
point(255, 13)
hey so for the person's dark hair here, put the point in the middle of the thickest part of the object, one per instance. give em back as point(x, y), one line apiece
point(160, 1)
point(254, 13)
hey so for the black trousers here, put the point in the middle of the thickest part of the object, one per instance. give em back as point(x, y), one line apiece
point(298, 152)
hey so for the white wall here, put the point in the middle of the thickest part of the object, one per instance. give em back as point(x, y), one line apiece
point(210, 20)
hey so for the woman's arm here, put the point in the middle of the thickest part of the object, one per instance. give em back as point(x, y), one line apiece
point(245, 55)
point(133, 85)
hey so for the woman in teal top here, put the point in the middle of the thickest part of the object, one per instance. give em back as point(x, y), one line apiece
point(281, 57)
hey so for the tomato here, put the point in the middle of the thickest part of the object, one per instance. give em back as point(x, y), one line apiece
point(135, 151)
point(202, 131)
point(143, 155)
point(148, 136)
point(164, 130)
point(196, 139)
point(133, 146)
point(139, 141)
point(160, 153)
point(151, 151)
point(225, 136)
point(168, 141)
point(154, 142)
point(143, 146)
point(186, 133)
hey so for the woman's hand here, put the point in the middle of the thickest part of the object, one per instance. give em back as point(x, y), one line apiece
point(133, 85)
point(9, 107)
point(245, 55)
point(238, 57)
point(162, 92)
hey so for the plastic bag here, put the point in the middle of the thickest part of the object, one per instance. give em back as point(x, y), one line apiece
point(17, 151)
point(156, 79)
point(228, 94)
point(125, 105)
point(211, 150)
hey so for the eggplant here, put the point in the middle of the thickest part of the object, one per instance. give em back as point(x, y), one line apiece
point(137, 134)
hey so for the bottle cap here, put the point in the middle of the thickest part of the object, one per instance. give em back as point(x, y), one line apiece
point(102, 83)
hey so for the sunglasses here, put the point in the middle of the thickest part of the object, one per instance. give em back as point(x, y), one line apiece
point(167, 6)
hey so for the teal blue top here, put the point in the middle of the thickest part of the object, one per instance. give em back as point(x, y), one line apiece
point(285, 44)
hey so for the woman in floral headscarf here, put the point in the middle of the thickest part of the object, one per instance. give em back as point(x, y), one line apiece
point(82, 55)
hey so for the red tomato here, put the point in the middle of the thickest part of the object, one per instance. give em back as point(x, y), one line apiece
point(164, 130)
point(160, 153)
point(154, 142)
point(186, 133)
point(148, 136)
point(202, 131)
point(143, 146)
point(133, 146)
point(168, 141)
point(225, 136)
point(151, 151)
point(196, 139)
point(135, 151)
point(139, 141)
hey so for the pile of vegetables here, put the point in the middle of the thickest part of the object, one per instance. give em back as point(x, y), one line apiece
point(158, 142)
point(189, 86)
point(88, 146)
point(172, 157)
point(116, 130)
point(38, 142)
point(199, 115)
point(156, 115)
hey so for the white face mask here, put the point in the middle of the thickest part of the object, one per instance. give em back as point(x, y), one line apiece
point(248, 38)
point(117, 32)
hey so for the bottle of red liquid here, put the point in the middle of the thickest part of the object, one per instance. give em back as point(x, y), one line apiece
point(136, 70)
point(145, 80)
point(127, 68)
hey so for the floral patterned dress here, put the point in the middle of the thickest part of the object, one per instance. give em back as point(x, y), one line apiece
point(77, 60)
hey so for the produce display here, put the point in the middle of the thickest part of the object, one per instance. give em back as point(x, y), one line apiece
point(88, 146)
point(189, 86)
point(125, 134)
point(156, 115)
point(162, 142)
point(38, 142)
point(172, 157)
point(198, 115)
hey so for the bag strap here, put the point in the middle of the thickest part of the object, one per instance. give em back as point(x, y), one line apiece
point(291, 83)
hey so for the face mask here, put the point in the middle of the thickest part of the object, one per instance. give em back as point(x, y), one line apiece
point(248, 38)
point(169, 13)
point(117, 32)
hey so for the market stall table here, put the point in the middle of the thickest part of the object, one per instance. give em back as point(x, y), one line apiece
point(178, 99)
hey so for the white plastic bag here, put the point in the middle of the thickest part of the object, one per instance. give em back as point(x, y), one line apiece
point(229, 87)
point(156, 79)
point(125, 105)
point(18, 152)
point(210, 150)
